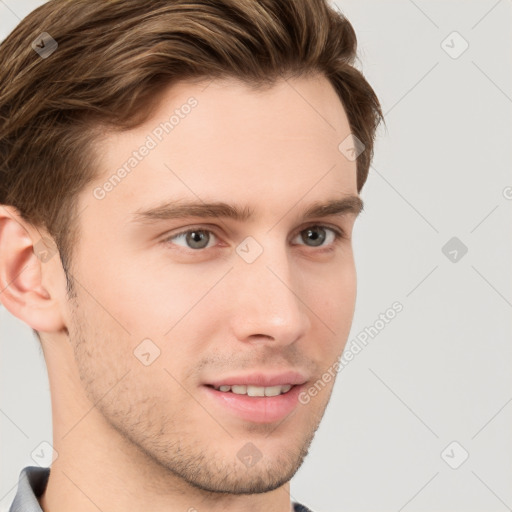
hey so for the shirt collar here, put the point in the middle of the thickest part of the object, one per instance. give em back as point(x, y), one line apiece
point(32, 484)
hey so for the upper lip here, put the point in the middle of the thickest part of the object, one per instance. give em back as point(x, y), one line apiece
point(261, 379)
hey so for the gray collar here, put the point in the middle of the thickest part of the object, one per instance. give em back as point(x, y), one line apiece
point(31, 485)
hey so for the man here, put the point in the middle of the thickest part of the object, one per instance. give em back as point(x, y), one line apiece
point(179, 185)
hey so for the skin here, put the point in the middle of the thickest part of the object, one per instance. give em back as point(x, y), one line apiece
point(137, 437)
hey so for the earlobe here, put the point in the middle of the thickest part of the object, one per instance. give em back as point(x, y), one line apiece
point(24, 265)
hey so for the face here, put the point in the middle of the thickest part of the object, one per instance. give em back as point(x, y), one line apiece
point(169, 303)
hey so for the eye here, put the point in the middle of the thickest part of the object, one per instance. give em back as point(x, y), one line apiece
point(317, 235)
point(198, 238)
point(193, 238)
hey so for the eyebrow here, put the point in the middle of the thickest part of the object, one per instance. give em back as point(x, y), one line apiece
point(183, 209)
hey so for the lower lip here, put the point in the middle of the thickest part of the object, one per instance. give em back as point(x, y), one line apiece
point(257, 409)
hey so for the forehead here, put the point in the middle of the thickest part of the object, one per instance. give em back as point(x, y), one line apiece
point(223, 139)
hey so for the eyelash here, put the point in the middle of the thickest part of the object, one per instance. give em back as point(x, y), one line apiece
point(339, 235)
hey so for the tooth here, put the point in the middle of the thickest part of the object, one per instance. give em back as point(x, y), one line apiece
point(255, 391)
point(273, 391)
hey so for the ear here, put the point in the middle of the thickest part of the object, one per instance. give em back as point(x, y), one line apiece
point(30, 285)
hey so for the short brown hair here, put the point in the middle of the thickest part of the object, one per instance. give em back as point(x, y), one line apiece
point(113, 58)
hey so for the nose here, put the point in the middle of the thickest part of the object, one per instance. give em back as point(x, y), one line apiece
point(268, 304)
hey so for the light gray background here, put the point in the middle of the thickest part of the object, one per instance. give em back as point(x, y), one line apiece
point(441, 370)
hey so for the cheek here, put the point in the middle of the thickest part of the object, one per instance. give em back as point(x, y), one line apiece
point(124, 376)
point(333, 305)
point(333, 296)
point(141, 322)
point(156, 296)
point(100, 345)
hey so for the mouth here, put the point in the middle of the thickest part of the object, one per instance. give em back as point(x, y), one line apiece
point(254, 404)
